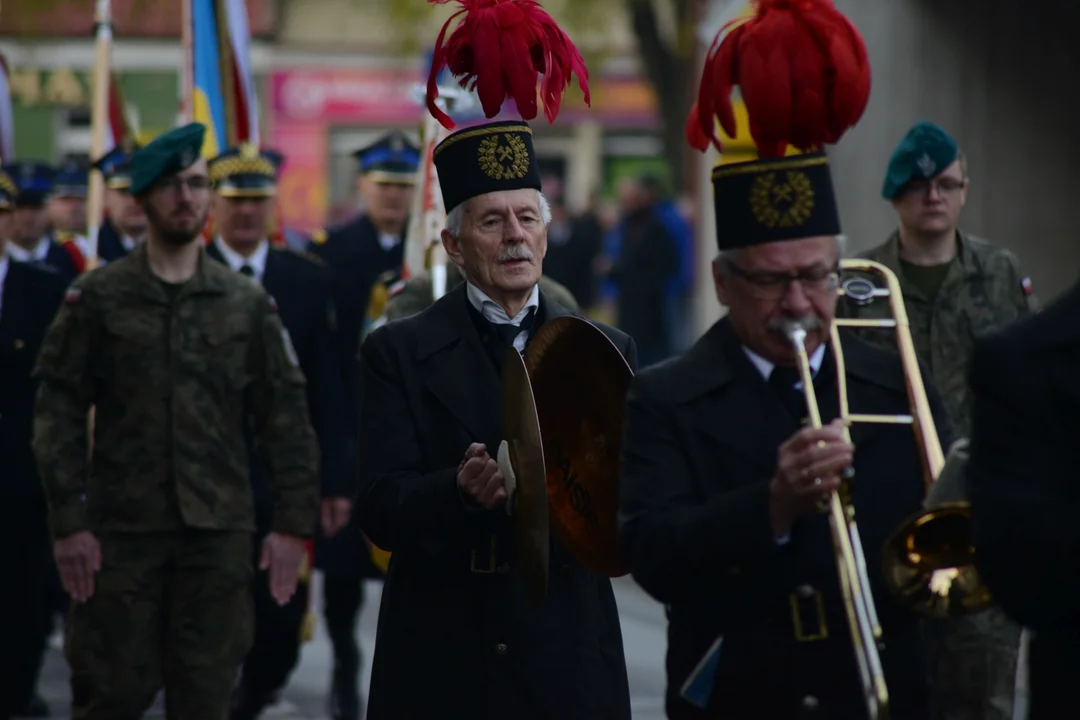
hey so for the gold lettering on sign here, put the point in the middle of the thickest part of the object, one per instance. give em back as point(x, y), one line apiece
point(26, 85)
point(63, 88)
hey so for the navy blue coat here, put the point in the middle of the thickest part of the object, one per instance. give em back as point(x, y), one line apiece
point(32, 296)
point(702, 432)
point(110, 247)
point(60, 260)
point(455, 639)
point(301, 287)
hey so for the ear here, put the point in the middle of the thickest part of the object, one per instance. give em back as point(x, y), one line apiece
point(452, 245)
point(720, 283)
point(963, 192)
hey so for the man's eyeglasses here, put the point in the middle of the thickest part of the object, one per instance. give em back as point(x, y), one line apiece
point(196, 183)
point(773, 286)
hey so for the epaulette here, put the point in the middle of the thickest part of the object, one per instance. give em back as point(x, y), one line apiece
point(306, 255)
point(64, 236)
point(319, 236)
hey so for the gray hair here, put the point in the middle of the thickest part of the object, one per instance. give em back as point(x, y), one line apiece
point(456, 216)
point(725, 256)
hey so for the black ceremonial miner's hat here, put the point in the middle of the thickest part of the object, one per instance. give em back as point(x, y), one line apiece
point(486, 158)
point(245, 171)
point(774, 199)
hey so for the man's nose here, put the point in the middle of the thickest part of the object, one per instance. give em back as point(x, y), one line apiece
point(513, 230)
point(795, 298)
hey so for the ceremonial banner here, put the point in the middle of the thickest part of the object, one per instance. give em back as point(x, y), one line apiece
point(7, 121)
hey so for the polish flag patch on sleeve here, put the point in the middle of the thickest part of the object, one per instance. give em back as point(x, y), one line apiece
point(73, 295)
point(1026, 284)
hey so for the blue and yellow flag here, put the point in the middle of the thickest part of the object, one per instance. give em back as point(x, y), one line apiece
point(208, 101)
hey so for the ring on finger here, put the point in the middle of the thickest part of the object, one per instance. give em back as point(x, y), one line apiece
point(817, 481)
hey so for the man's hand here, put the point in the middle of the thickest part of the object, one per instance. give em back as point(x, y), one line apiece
point(479, 478)
point(78, 558)
point(808, 467)
point(335, 514)
point(282, 555)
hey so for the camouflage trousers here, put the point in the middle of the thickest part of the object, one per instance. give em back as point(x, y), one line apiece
point(170, 610)
point(972, 662)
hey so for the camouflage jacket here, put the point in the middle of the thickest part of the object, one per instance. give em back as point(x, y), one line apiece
point(983, 291)
point(174, 383)
point(413, 295)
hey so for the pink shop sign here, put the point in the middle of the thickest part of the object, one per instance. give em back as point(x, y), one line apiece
point(374, 96)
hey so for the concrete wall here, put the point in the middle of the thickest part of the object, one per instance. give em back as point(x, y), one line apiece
point(1001, 77)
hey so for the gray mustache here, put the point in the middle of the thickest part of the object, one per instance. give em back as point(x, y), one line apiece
point(515, 252)
point(780, 324)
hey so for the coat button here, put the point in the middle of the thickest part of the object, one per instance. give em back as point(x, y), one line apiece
point(500, 649)
point(810, 703)
point(805, 591)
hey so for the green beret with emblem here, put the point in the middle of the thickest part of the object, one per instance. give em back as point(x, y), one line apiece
point(922, 154)
point(774, 199)
point(486, 158)
point(165, 155)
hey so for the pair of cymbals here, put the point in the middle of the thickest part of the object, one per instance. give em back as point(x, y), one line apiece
point(562, 414)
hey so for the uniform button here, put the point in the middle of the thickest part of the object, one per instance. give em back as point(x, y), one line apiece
point(805, 591)
point(500, 649)
point(810, 703)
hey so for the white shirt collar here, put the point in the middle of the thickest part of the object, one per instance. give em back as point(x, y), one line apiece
point(494, 313)
point(765, 367)
point(257, 260)
point(388, 242)
point(20, 254)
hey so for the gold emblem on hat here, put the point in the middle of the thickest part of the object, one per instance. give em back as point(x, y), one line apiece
point(249, 151)
point(504, 157)
point(782, 203)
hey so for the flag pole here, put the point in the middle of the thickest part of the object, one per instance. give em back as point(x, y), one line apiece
point(99, 122)
point(187, 67)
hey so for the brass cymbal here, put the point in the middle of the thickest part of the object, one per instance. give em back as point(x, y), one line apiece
point(525, 473)
point(579, 380)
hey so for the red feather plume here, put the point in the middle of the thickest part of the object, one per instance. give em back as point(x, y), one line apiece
point(500, 47)
point(803, 72)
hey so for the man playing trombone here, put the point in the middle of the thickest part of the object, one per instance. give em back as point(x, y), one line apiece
point(773, 606)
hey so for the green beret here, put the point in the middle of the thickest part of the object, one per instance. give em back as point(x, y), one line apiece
point(923, 153)
point(166, 154)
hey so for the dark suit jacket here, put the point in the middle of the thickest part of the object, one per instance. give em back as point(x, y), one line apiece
point(32, 296)
point(110, 246)
point(702, 432)
point(453, 642)
point(301, 288)
point(1024, 485)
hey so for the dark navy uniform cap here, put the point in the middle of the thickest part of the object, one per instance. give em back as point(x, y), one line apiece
point(392, 159)
point(246, 171)
point(71, 180)
point(34, 181)
point(486, 158)
point(115, 167)
point(922, 154)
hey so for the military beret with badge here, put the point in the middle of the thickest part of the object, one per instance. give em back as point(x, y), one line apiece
point(167, 154)
point(923, 153)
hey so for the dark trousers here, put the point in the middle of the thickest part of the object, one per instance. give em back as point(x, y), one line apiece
point(169, 609)
point(276, 649)
point(24, 535)
point(342, 598)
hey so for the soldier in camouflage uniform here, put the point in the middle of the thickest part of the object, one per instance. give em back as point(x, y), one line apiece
point(956, 287)
point(176, 354)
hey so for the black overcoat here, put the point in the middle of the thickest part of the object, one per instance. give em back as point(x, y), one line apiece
point(456, 636)
point(1024, 484)
point(702, 433)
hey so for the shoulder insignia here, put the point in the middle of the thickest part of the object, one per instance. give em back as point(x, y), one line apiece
point(73, 295)
point(1025, 283)
point(64, 236)
point(319, 236)
point(272, 301)
point(306, 255)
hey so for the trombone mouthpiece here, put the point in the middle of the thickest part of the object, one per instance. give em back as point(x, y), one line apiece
point(795, 332)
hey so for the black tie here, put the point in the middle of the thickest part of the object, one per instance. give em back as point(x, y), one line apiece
point(783, 380)
point(247, 270)
point(508, 332)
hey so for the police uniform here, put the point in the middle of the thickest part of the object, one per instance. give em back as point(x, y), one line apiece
point(115, 167)
point(58, 251)
point(71, 180)
point(981, 290)
point(357, 255)
point(301, 286)
point(29, 298)
point(173, 371)
point(457, 637)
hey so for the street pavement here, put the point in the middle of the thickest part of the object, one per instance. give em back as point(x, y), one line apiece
point(644, 637)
